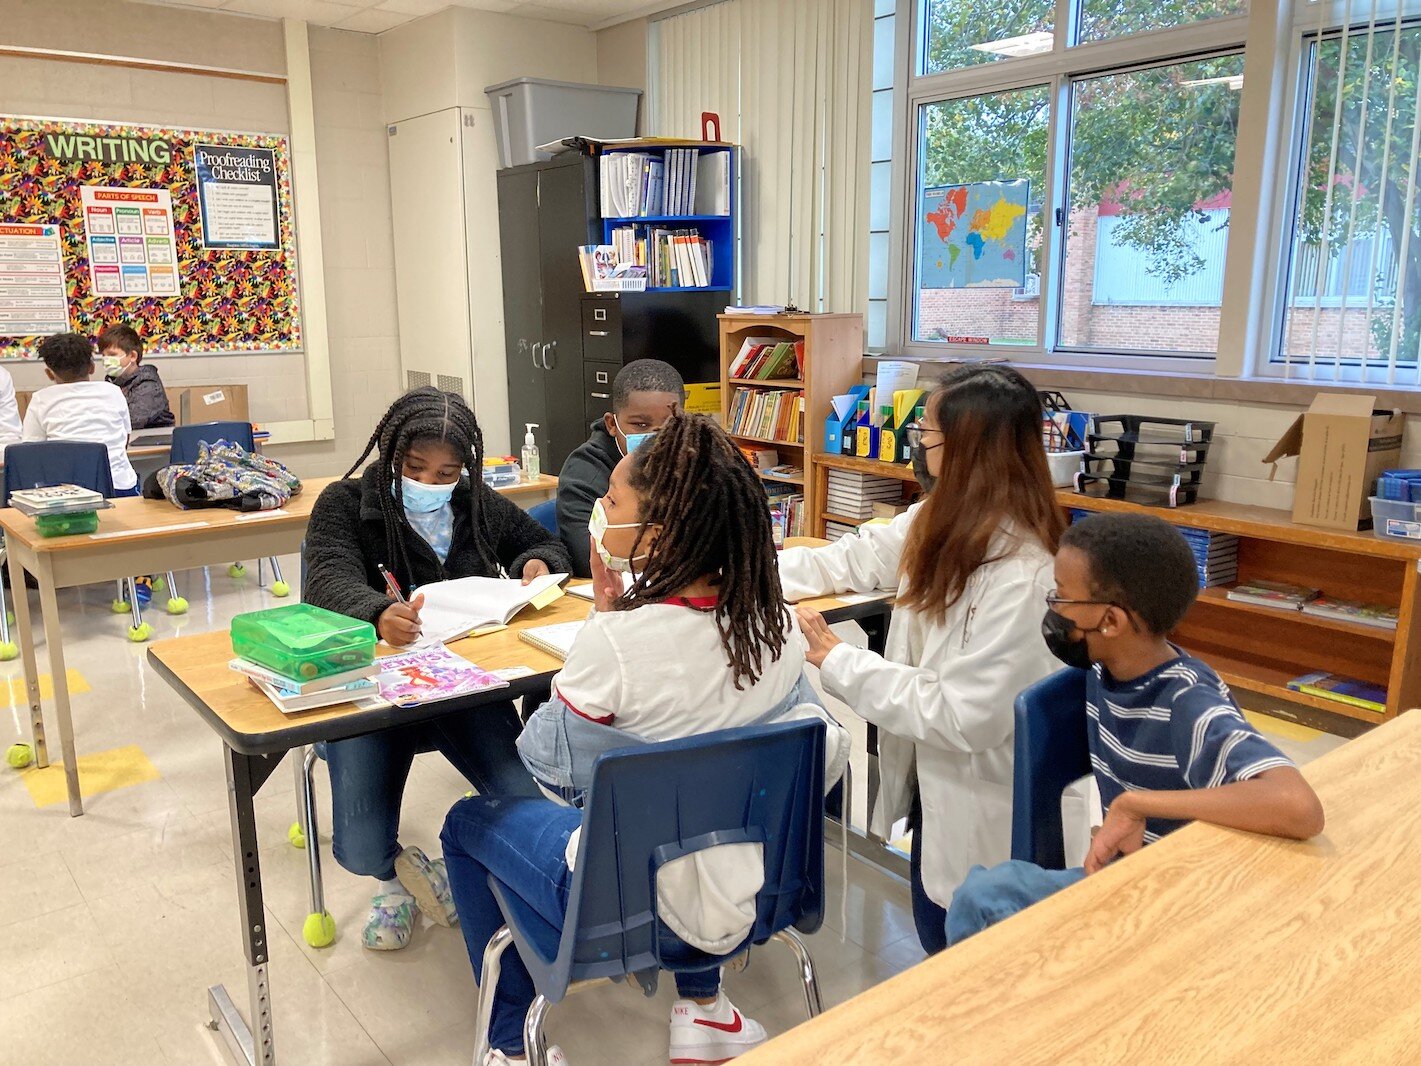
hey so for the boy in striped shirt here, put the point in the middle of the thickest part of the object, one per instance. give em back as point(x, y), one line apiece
point(1167, 742)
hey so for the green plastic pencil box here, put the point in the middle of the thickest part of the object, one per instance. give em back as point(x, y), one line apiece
point(303, 642)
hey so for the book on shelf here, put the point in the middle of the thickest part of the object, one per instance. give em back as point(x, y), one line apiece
point(301, 688)
point(1368, 614)
point(834, 530)
point(787, 512)
point(1278, 594)
point(670, 181)
point(768, 359)
point(1342, 689)
point(556, 639)
point(769, 414)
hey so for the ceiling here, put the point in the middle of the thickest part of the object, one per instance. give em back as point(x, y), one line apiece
point(376, 16)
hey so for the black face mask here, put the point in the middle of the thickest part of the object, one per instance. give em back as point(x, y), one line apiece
point(1056, 629)
point(920, 468)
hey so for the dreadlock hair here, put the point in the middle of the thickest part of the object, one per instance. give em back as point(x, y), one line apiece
point(420, 415)
point(712, 519)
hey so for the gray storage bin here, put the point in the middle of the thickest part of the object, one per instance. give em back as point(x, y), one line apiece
point(531, 111)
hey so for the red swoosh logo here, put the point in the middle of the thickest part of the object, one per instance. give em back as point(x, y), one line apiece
point(724, 1027)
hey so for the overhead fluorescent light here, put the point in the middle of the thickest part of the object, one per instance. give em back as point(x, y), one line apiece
point(1028, 44)
point(1233, 81)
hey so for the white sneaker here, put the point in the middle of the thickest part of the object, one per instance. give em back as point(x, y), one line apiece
point(498, 1058)
point(703, 1036)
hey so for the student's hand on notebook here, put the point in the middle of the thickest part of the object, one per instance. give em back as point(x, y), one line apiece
point(399, 623)
point(534, 568)
point(817, 633)
point(1122, 832)
point(607, 584)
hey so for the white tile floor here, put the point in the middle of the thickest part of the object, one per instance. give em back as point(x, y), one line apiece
point(113, 925)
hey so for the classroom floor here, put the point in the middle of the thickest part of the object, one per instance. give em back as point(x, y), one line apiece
point(113, 925)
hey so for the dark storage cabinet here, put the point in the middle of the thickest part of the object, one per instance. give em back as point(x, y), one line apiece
point(564, 345)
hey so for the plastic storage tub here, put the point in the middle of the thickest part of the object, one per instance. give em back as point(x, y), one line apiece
point(1396, 519)
point(303, 642)
point(528, 112)
point(1063, 467)
point(66, 525)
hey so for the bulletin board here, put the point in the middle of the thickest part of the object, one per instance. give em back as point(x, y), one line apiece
point(107, 192)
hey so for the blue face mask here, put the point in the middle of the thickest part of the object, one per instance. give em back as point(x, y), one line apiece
point(420, 498)
point(636, 440)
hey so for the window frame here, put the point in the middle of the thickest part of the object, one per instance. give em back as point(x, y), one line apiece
point(1057, 70)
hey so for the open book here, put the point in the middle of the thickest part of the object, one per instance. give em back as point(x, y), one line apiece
point(454, 609)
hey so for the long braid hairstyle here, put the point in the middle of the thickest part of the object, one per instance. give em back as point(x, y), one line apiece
point(426, 414)
point(710, 516)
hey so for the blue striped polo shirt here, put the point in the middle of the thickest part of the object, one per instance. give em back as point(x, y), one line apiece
point(1173, 728)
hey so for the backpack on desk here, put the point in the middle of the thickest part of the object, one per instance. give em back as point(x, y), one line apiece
point(225, 475)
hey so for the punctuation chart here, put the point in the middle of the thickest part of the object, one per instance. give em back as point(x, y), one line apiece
point(32, 298)
point(129, 234)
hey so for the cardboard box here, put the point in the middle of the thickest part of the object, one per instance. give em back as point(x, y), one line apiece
point(194, 404)
point(1343, 444)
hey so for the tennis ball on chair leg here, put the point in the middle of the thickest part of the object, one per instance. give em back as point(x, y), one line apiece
point(280, 588)
point(177, 605)
point(319, 930)
point(138, 634)
point(9, 651)
point(296, 835)
point(236, 570)
point(18, 755)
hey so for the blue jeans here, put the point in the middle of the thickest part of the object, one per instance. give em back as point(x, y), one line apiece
point(368, 776)
point(522, 843)
point(928, 918)
point(137, 490)
point(988, 896)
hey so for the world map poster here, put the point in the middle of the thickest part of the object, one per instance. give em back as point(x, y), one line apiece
point(973, 236)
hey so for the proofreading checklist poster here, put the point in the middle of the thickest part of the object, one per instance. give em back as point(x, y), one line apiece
point(129, 233)
point(236, 191)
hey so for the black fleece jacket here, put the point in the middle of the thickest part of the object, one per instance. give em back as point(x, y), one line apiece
point(582, 481)
point(147, 402)
point(345, 543)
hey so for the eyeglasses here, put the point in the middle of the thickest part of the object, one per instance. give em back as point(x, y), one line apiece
point(1055, 599)
point(913, 433)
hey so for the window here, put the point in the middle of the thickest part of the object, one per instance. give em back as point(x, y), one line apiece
point(880, 171)
point(1103, 19)
point(1352, 295)
point(979, 212)
point(1147, 207)
point(962, 33)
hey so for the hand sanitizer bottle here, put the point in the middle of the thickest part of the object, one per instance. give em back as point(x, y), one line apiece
point(532, 469)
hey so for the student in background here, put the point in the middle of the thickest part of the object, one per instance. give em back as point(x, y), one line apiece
point(700, 641)
point(645, 393)
point(122, 350)
point(76, 408)
point(1167, 741)
point(417, 511)
point(10, 430)
point(971, 563)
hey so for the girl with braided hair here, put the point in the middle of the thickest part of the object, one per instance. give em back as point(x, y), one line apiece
point(698, 640)
point(423, 511)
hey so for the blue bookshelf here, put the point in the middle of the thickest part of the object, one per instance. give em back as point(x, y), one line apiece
point(719, 230)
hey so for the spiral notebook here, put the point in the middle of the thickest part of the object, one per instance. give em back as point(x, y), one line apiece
point(555, 639)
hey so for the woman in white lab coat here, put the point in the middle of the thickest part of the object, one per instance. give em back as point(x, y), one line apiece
point(972, 566)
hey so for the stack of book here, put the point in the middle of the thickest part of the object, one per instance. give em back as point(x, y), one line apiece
point(853, 495)
point(769, 414)
point(1342, 690)
point(60, 509)
point(1216, 555)
point(1277, 594)
point(678, 181)
point(1368, 614)
point(291, 696)
point(766, 359)
point(834, 530)
point(786, 512)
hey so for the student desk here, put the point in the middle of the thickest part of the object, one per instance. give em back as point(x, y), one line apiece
point(255, 737)
point(138, 536)
point(1209, 946)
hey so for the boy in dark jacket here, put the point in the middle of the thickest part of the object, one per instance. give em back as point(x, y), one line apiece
point(416, 511)
point(122, 350)
point(645, 393)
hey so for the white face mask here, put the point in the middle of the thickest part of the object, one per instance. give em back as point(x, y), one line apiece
point(597, 525)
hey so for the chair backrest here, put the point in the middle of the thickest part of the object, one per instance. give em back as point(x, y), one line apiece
point(1051, 752)
point(186, 439)
point(654, 803)
point(546, 515)
point(57, 462)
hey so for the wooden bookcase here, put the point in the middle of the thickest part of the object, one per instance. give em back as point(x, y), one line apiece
point(833, 361)
point(1258, 650)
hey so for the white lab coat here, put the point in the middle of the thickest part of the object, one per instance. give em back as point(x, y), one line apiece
point(941, 694)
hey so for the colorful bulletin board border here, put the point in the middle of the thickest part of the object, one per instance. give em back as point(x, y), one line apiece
point(229, 300)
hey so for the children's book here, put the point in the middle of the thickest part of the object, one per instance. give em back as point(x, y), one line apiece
point(555, 639)
point(1273, 594)
point(301, 688)
point(454, 609)
point(1367, 614)
point(290, 702)
point(428, 675)
point(1342, 689)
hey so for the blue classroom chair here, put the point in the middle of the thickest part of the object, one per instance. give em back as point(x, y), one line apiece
point(1051, 753)
point(546, 515)
point(84, 463)
point(184, 450)
point(654, 803)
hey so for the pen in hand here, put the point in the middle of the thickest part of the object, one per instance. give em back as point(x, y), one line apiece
point(391, 584)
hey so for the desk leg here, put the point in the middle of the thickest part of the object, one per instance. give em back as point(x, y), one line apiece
point(876, 629)
point(252, 1044)
point(54, 639)
point(20, 595)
